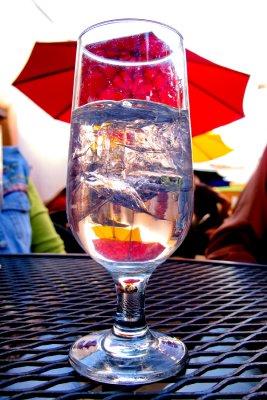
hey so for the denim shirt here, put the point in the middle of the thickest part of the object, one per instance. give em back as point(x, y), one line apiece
point(15, 226)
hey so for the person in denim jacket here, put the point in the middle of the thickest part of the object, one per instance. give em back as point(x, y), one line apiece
point(25, 225)
point(15, 225)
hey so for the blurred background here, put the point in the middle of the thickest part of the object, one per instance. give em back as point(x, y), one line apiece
point(230, 33)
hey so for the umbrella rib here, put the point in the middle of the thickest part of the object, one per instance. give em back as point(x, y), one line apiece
point(44, 75)
point(62, 111)
point(220, 100)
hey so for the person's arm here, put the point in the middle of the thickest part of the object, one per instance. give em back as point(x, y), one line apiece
point(241, 236)
point(234, 243)
point(44, 236)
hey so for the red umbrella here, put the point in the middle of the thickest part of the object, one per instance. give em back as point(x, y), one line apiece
point(215, 92)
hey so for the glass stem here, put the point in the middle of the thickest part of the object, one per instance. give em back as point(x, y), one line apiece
point(130, 319)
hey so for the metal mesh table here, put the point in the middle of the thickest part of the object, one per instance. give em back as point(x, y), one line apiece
point(218, 309)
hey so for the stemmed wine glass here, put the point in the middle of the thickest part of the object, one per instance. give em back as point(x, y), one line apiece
point(129, 185)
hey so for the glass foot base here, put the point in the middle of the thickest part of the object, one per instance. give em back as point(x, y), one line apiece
point(147, 361)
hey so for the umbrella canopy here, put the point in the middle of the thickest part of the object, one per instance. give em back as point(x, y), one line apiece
point(215, 92)
point(208, 146)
